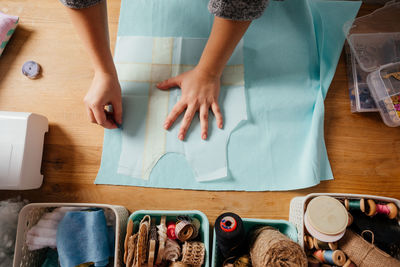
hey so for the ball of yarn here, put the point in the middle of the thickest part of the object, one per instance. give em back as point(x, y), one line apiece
point(269, 247)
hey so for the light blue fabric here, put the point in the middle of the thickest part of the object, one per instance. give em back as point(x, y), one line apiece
point(290, 57)
point(82, 236)
point(144, 141)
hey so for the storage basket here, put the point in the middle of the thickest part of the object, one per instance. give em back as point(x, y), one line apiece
point(298, 207)
point(31, 214)
point(204, 232)
point(284, 227)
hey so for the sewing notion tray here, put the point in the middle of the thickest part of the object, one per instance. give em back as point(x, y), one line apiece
point(204, 233)
point(298, 207)
point(283, 226)
point(31, 214)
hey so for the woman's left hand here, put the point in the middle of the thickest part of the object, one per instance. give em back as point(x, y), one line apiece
point(200, 91)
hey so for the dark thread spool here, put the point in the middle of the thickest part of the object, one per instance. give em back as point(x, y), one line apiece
point(229, 232)
point(368, 207)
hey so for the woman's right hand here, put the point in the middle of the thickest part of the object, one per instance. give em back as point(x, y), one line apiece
point(104, 90)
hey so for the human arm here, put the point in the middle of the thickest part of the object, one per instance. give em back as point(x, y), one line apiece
point(92, 28)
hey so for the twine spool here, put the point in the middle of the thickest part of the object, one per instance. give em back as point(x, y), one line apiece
point(184, 230)
point(193, 253)
point(333, 257)
point(269, 247)
point(229, 232)
point(389, 209)
point(318, 244)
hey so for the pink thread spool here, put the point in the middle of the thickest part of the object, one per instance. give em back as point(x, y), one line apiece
point(389, 209)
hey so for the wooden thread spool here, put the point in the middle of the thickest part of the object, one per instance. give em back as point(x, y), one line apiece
point(368, 207)
point(308, 242)
point(349, 263)
point(324, 245)
point(333, 257)
point(389, 209)
point(351, 219)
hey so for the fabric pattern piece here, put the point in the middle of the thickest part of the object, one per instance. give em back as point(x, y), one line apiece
point(141, 63)
point(290, 57)
point(8, 24)
point(238, 9)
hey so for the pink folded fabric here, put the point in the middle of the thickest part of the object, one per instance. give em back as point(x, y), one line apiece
point(8, 24)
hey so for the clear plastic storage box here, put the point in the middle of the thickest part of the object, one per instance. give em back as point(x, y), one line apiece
point(374, 41)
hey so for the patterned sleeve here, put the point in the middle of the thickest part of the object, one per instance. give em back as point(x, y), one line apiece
point(78, 4)
point(237, 9)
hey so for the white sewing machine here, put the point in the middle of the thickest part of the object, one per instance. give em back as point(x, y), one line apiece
point(21, 149)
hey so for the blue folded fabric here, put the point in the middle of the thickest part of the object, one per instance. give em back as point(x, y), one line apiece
point(82, 236)
point(290, 57)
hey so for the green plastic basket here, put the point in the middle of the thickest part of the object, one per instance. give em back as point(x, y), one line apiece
point(283, 226)
point(204, 232)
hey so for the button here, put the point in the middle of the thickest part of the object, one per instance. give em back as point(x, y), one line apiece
point(31, 69)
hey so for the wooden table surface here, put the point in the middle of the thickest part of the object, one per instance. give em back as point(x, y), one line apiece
point(364, 153)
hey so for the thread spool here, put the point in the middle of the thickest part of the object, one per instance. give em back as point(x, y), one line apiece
point(349, 263)
point(308, 242)
point(388, 209)
point(355, 204)
point(171, 230)
point(318, 244)
point(243, 261)
point(333, 257)
point(351, 219)
point(313, 262)
point(229, 232)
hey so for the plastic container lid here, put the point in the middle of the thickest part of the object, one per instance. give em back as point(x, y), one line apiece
point(384, 85)
point(375, 38)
